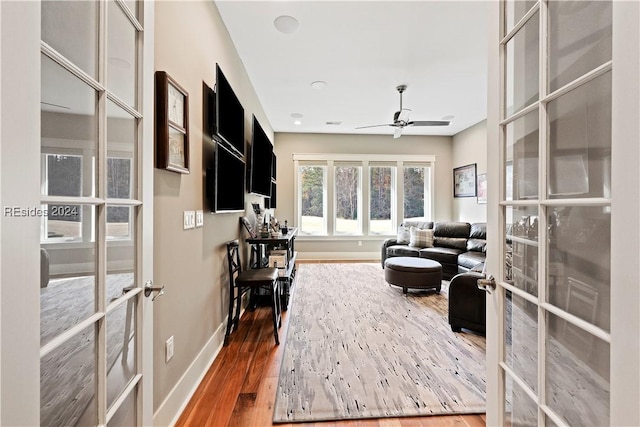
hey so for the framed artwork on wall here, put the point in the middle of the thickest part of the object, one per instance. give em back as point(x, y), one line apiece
point(482, 188)
point(172, 124)
point(464, 181)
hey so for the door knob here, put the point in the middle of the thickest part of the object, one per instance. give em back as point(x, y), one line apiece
point(149, 288)
point(487, 285)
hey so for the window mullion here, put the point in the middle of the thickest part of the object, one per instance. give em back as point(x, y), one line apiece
point(329, 191)
point(366, 197)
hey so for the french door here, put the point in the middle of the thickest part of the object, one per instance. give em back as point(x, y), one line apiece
point(88, 67)
point(563, 223)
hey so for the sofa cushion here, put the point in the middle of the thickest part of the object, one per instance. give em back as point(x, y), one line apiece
point(471, 259)
point(478, 230)
point(402, 250)
point(477, 245)
point(403, 235)
point(451, 242)
point(420, 224)
point(420, 238)
point(452, 229)
point(442, 255)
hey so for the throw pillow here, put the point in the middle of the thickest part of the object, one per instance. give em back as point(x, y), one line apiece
point(420, 238)
point(403, 235)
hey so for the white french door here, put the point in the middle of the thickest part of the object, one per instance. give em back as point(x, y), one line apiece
point(562, 326)
point(89, 151)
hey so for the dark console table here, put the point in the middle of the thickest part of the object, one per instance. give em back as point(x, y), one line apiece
point(260, 247)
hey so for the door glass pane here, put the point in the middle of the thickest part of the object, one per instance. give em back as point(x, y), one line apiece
point(514, 10)
point(416, 198)
point(347, 194)
point(121, 153)
point(380, 207)
point(520, 410)
point(521, 339)
point(68, 382)
point(125, 416)
point(312, 198)
point(579, 266)
point(69, 133)
point(121, 348)
point(579, 39)
point(522, 62)
point(121, 55)
point(521, 170)
point(79, 40)
point(577, 374)
point(580, 141)
point(522, 248)
point(67, 290)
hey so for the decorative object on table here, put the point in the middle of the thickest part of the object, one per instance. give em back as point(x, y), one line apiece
point(285, 229)
point(482, 189)
point(341, 362)
point(247, 225)
point(172, 124)
point(464, 181)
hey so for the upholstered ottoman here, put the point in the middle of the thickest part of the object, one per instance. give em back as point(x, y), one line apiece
point(413, 272)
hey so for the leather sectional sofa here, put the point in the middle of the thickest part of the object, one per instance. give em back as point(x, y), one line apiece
point(458, 246)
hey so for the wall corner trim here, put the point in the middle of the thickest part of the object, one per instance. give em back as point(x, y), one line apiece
point(176, 401)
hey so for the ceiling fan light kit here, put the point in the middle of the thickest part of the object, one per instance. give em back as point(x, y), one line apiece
point(401, 118)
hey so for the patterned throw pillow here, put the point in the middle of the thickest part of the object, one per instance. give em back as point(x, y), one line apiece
point(403, 235)
point(420, 238)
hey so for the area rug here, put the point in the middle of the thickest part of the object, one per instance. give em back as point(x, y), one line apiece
point(359, 348)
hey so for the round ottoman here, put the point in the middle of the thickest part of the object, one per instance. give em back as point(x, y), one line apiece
point(413, 272)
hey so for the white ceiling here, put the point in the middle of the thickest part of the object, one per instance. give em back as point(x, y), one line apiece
point(363, 50)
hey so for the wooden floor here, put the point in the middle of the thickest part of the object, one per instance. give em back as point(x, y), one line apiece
point(240, 387)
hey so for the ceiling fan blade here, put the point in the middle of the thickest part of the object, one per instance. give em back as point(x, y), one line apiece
point(429, 123)
point(397, 132)
point(403, 115)
point(375, 126)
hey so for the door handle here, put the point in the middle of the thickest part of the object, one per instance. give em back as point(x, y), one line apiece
point(487, 285)
point(149, 288)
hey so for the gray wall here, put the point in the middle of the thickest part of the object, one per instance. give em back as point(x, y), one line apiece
point(470, 146)
point(191, 264)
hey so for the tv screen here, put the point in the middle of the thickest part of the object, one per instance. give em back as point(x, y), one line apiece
point(229, 114)
point(261, 156)
point(229, 181)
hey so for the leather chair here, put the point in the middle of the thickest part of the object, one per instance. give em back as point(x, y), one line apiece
point(467, 303)
point(241, 281)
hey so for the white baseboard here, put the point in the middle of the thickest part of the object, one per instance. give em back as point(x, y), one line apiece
point(338, 255)
point(178, 398)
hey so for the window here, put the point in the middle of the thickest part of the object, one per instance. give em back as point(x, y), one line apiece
point(312, 195)
point(382, 189)
point(344, 195)
point(63, 178)
point(348, 216)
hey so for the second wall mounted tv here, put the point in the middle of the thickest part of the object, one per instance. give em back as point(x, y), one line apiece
point(261, 156)
point(229, 175)
point(229, 114)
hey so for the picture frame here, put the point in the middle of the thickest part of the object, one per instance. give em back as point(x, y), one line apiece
point(172, 124)
point(464, 181)
point(482, 188)
point(247, 225)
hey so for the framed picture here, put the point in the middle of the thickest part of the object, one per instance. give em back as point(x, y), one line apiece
point(482, 188)
point(247, 225)
point(172, 124)
point(464, 181)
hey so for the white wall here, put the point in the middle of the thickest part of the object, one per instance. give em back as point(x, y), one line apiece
point(470, 146)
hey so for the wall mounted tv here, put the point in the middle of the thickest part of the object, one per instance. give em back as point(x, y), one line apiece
point(229, 114)
point(229, 186)
point(261, 156)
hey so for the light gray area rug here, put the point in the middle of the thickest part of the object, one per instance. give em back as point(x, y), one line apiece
point(358, 348)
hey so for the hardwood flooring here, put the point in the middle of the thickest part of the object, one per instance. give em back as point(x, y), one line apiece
point(240, 387)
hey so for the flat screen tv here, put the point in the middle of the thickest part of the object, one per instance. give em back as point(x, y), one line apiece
point(229, 114)
point(261, 156)
point(229, 185)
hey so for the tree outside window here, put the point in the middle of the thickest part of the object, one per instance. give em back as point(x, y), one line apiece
point(380, 206)
point(312, 198)
point(347, 195)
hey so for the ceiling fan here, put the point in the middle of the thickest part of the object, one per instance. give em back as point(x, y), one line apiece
point(401, 118)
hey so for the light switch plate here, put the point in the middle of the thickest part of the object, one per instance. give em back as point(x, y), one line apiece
point(199, 218)
point(189, 220)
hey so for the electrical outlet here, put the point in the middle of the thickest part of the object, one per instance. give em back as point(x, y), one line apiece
point(189, 219)
point(199, 218)
point(359, 242)
point(169, 349)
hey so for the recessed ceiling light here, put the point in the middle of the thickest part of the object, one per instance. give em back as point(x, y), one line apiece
point(319, 85)
point(286, 24)
point(297, 122)
point(296, 115)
